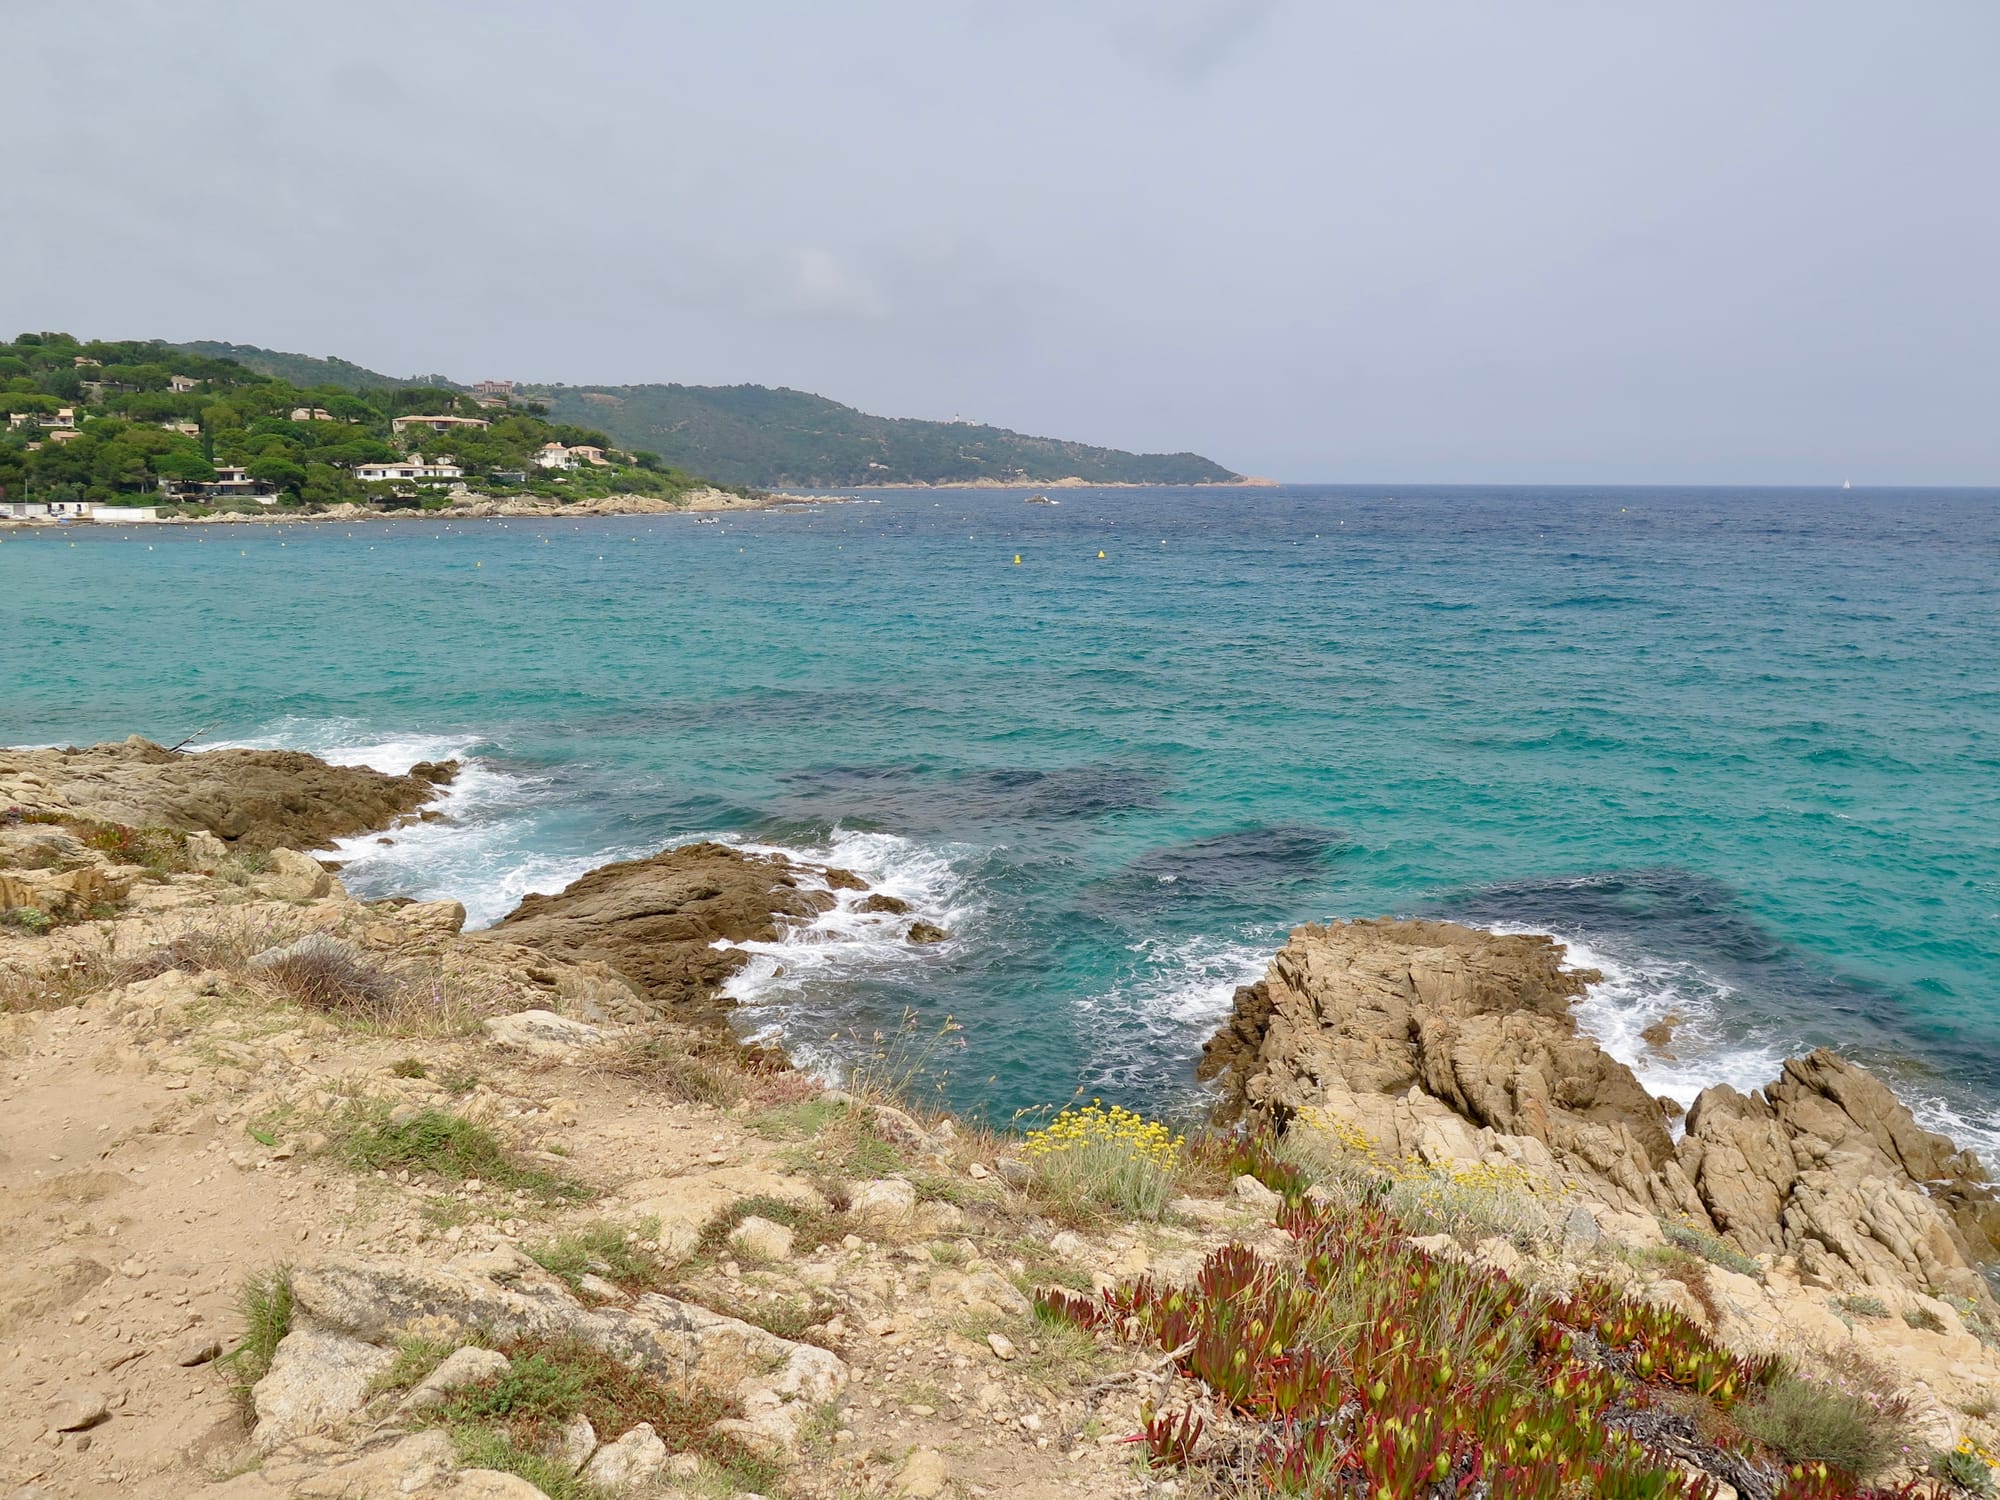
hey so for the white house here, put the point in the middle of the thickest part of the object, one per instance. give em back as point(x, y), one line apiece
point(232, 481)
point(180, 385)
point(22, 510)
point(311, 414)
point(411, 468)
point(556, 456)
point(64, 417)
point(95, 510)
point(437, 424)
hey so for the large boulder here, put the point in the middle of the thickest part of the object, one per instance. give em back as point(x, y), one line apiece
point(250, 799)
point(1477, 1021)
point(657, 921)
point(1828, 1164)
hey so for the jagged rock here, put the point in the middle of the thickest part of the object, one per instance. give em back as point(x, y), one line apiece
point(292, 876)
point(542, 1033)
point(462, 1367)
point(657, 921)
point(1580, 1231)
point(432, 916)
point(196, 1348)
point(927, 932)
point(761, 1239)
point(251, 799)
point(631, 1463)
point(1452, 1045)
point(489, 1484)
point(901, 1129)
point(1252, 1194)
point(318, 1378)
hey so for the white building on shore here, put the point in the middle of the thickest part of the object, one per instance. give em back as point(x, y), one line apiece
point(412, 468)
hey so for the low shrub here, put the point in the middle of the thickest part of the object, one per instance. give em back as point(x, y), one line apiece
point(1922, 1318)
point(434, 1143)
point(612, 1251)
point(516, 1416)
point(30, 919)
point(323, 973)
point(669, 1067)
point(1709, 1248)
point(197, 949)
point(161, 851)
point(1863, 1305)
point(1091, 1159)
point(812, 1224)
point(1804, 1422)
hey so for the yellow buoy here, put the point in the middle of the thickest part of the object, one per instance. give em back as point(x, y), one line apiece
point(1017, 559)
point(1100, 554)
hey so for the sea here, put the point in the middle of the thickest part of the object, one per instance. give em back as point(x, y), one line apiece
point(1738, 748)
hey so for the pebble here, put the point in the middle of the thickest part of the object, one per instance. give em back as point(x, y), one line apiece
point(77, 1408)
point(1001, 1345)
point(196, 1348)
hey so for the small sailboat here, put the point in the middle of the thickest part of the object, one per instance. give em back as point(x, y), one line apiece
point(1847, 484)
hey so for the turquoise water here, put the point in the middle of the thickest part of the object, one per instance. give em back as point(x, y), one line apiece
point(1742, 747)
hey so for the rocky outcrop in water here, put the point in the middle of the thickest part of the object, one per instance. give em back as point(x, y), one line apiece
point(1452, 1044)
point(255, 800)
point(656, 921)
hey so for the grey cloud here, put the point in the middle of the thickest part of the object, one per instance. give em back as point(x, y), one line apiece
point(1352, 239)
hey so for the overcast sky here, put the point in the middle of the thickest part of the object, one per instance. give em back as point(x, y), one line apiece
point(1388, 239)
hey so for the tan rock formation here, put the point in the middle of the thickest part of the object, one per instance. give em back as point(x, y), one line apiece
point(655, 920)
point(1451, 1044)
point(252, 799)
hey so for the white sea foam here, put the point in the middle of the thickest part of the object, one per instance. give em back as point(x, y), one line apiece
point(1711, 1045)
point(1146, 1026)
point(846, 942)
point(483, 853)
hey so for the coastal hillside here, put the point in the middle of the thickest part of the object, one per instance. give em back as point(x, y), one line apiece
point(769, 438)
point(752, 434)
point(142, 424)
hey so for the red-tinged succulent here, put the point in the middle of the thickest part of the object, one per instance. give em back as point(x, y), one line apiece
point(1171, 1441)
point(1379, 1370)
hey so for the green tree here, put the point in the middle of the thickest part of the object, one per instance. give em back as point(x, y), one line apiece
point(282, 472)
point(184, 462)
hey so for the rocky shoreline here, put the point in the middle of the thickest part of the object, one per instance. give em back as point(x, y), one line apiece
point(1455, 1044)
point(236, 1090)
point(478, 507)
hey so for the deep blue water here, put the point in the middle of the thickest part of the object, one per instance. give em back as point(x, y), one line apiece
point(1743, 746)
